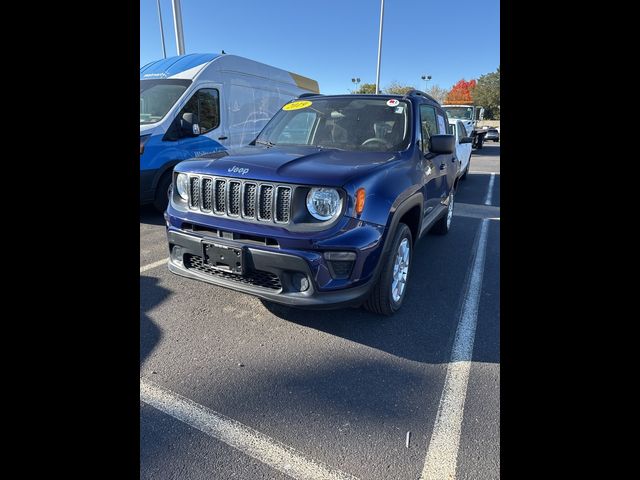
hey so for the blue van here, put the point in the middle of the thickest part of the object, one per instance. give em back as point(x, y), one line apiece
point(195, 104)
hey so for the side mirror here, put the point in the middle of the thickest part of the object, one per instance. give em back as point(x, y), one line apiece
point(481, 113)
point(443, 144)
point(466, 140)
point(189, 125)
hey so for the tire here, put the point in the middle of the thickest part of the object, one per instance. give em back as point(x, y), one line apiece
point(466, 170)
point(382, 300)
point(479, 144)
point(442, 226)
point(161, 200)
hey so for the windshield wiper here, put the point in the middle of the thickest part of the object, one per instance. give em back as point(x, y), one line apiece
point(325, 147)
point(268, 143)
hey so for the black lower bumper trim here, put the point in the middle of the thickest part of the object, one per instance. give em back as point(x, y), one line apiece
point(287, 268)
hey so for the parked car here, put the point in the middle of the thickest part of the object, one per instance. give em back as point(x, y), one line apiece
point(202, 103)
point(493, 134)
point(324, 208)
point(463, 146)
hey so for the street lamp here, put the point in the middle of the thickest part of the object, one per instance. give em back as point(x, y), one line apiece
point(426, 78)
point(356, 81)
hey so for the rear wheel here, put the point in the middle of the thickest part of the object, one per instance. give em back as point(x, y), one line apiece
point(389, 291)
point(161, 200)
point(442, 226)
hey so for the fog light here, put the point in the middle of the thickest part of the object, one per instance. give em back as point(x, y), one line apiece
point(300, 282)
point(176, 253)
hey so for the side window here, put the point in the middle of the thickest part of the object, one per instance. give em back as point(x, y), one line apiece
point(209, 109)
point(428, 124)
point(442, 126)
point(205, 104)
point(462, 132)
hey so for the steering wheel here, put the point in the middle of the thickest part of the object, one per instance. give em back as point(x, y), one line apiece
point(371, 140)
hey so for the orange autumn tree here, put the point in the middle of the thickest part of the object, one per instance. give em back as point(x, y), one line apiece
point(462, 92)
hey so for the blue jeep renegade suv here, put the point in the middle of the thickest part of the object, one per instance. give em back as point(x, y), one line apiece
point(324, 207)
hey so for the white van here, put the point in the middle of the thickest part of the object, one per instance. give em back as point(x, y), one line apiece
point(195, 104)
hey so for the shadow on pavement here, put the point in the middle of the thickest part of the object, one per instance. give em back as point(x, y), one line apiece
point(424, 328)
point(150, 334)
point(474, 188)
point(488, 150)
point(150, 216)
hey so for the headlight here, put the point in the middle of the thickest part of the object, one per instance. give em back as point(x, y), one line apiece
point(323, 203)
point(182, 186)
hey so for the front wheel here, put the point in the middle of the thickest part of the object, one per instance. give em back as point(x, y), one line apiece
point(161, 200)
point(389, 291)
point(443, 225)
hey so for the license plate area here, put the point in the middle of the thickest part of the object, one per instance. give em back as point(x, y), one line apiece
point(224, 258)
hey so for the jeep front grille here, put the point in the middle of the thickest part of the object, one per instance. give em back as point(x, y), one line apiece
point(236, 198)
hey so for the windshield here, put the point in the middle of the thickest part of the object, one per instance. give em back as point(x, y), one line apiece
point(158, 96)
point(459, 113)
point(355, 124)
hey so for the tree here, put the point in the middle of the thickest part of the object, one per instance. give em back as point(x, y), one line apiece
point(366, 88)
point(395, 88)
point(487, 94)
point(437, 92)
point(462, 91)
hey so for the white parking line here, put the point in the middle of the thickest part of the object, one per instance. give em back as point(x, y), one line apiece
point(442, 453)
point(154, 265)
point(487, 201)
point(249, 441)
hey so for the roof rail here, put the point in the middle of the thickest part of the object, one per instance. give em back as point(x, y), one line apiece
point(419, 93)
point(309, 95)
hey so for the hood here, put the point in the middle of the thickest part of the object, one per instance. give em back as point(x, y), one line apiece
point(301, 165)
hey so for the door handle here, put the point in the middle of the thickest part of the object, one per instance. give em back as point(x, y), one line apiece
point(222, 138)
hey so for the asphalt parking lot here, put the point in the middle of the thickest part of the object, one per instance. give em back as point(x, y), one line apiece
point(231, 388)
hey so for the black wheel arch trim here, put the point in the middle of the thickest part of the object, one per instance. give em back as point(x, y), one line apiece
point(411, 202)
point(167, 167)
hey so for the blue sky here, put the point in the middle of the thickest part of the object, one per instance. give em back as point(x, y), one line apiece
point(332, 41)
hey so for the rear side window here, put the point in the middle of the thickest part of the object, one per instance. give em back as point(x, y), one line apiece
point(205, 103)
point(442, 126)
point(428, 125)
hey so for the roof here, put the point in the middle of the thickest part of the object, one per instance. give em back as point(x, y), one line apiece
point(180, 66)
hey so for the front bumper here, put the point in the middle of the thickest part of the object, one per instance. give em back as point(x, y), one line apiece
point(272, 275)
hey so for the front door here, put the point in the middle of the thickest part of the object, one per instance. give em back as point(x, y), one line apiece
point(205, 104)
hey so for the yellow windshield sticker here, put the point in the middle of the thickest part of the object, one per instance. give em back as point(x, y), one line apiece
point(297, 105)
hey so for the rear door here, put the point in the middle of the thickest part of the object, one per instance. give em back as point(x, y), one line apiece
point(432, 177)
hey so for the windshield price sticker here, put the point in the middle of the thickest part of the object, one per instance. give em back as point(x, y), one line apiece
point(297, 105)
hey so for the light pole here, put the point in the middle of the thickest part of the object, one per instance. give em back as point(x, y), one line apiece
point(426, 78)
point(177, 23)
point(379, 47)
point(356, 80)
point(164, 51)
